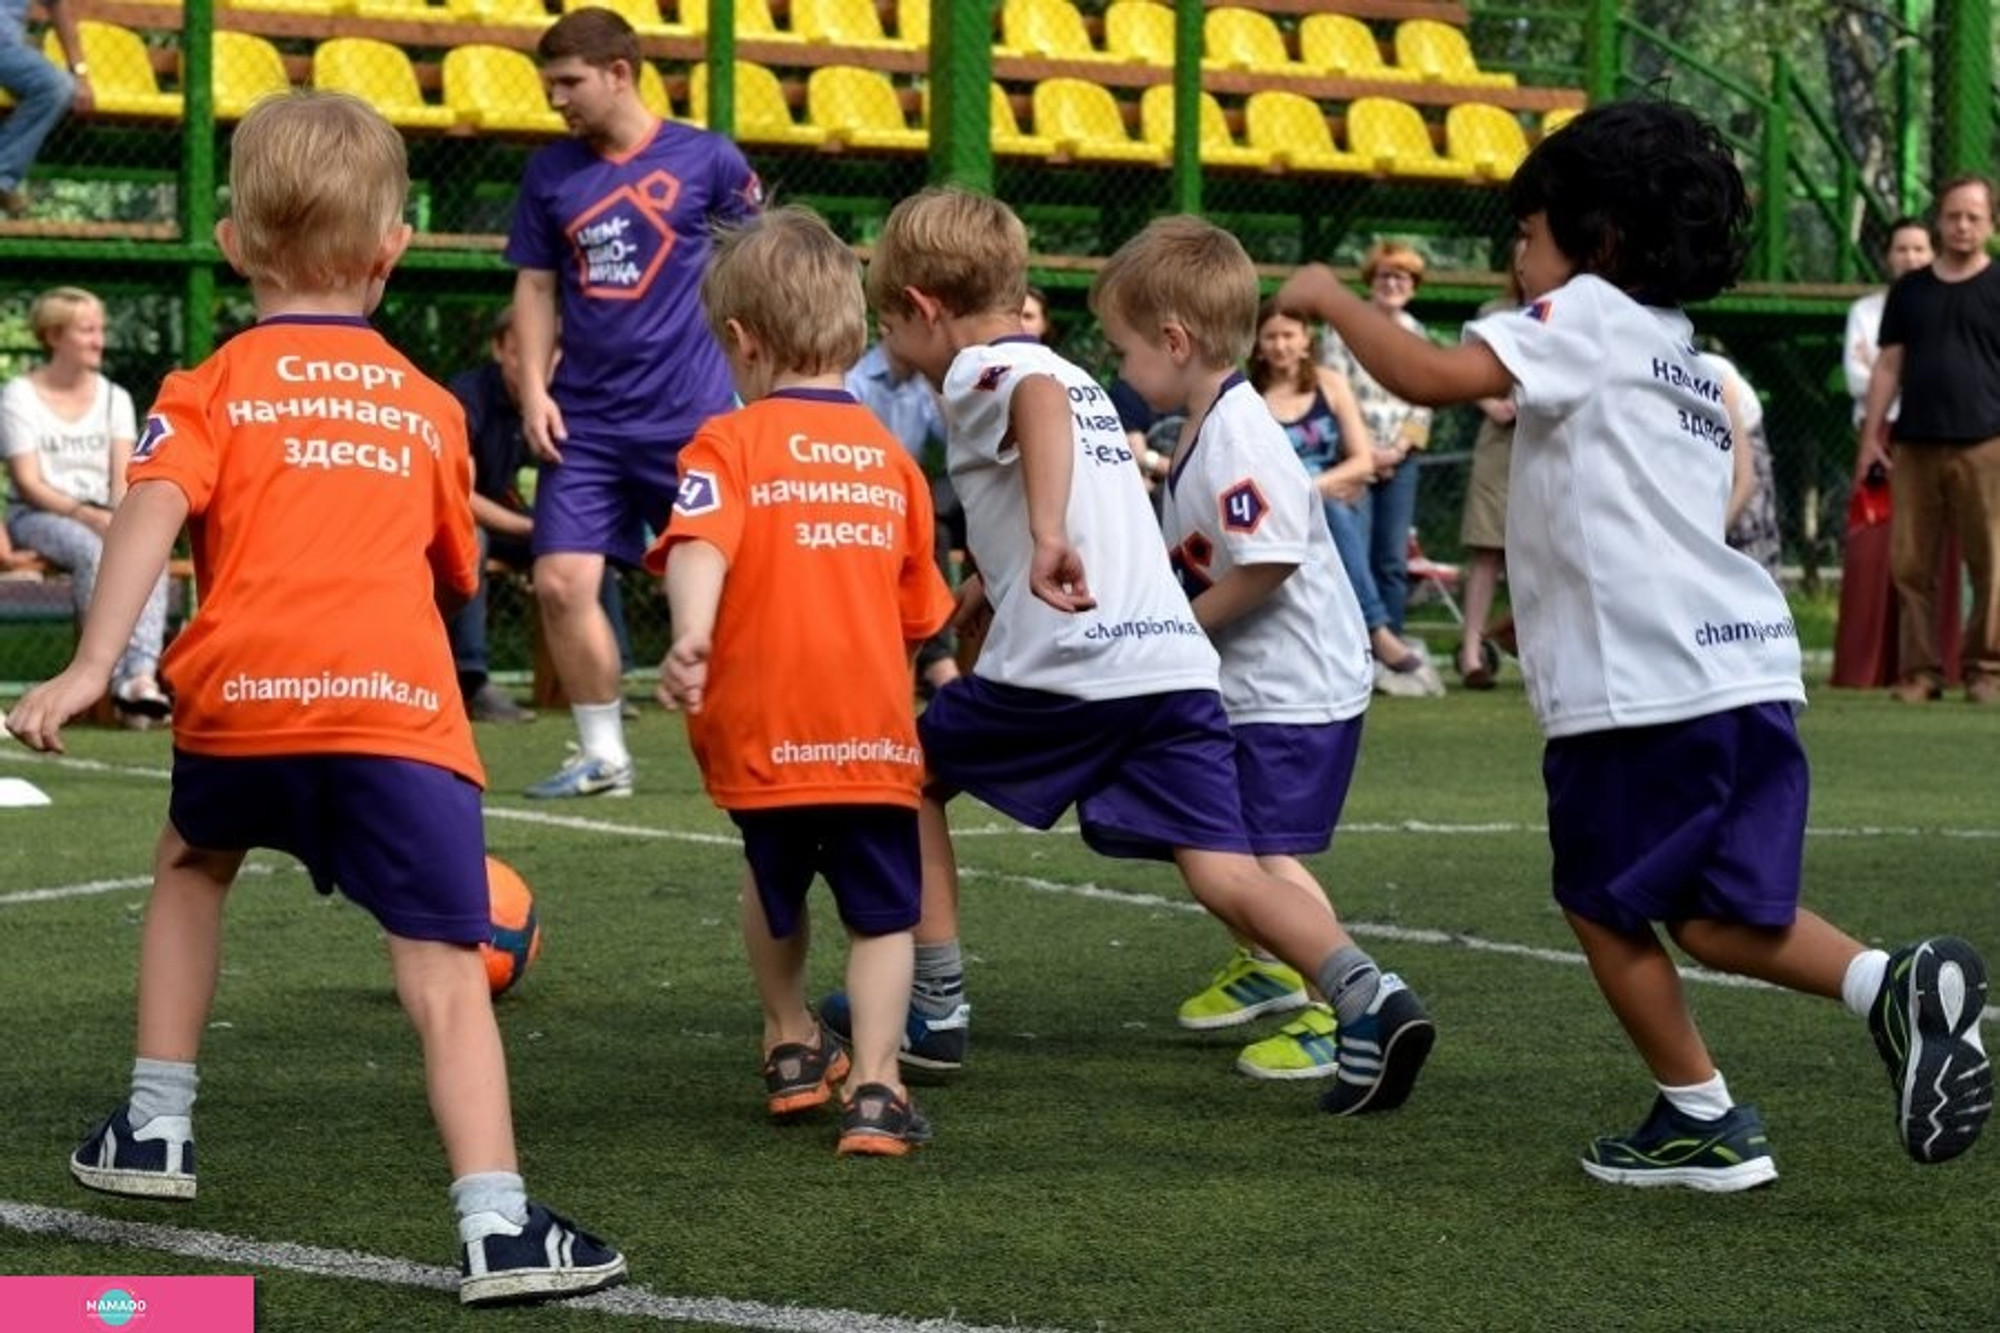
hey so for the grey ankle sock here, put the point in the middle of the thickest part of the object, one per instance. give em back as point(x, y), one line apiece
point(160, 1087)
point(501, 1192)
point(939, 987)
point(1348, 978)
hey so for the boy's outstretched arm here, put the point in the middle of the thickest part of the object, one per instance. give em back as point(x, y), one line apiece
point(1415, 369)
point(1043, 432)
point(695, 571)
point(136, 547)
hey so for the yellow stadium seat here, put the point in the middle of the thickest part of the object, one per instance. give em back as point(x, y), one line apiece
point(644, 16)
point(753, 20)
point(860, 109)
point(653, 91)
point(1294, 131)
point(850, 23)
point(246, 68)
point(1558, 116)
point(1393, 138)
point(1343, 47)
point(1218, 146)
point(1245, 39)
point(1438, 53)
point(1051, 29)
point(1008, 140)
point(496, 89)
point(1085, 122)
point(1140, 32)
point(513, 13)
point(762, 114)
point(1489, 138)
point(398, 9)
point(121, 72)
point(380, 75)
point(913, 22)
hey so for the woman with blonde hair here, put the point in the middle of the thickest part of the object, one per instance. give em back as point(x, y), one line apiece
point(67, 434)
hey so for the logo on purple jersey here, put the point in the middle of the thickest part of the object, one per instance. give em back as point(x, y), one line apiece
point(152, 437)
point(1539, 311)
point(1243, 507)
point(622, 240)
point(697, 495)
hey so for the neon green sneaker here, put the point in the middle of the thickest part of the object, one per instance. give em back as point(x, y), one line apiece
point(1302, 1048)
point(1247, 987)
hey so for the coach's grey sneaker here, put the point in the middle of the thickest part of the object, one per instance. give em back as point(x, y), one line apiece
point(544, 1259)
point(155, 1161)
point(584, 775)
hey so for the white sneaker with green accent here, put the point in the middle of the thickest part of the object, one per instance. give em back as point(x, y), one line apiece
point(1306, 1047)
point(1246, 987)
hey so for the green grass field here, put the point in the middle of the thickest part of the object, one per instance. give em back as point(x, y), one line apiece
point(1095, 1167)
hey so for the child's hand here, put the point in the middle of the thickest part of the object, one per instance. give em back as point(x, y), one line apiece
point(684, 673)
point(1056, 576)
point(37, 720)
point(972, 613)
point(1311, 290)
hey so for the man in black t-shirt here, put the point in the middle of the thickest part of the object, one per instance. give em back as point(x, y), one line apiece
point(1940, 349)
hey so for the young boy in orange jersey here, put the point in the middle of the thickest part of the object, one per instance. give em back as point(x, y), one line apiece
point(798, 556)
point(1096, 685)
point(325, 485)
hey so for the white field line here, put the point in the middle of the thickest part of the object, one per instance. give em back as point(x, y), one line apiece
point(636, 1302)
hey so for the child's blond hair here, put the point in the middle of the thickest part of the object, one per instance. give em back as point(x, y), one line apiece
point(317, 180)
point(789, 281)
point(1188, 271)
point(968, 250)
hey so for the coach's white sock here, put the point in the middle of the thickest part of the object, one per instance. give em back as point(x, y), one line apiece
point(501, 1192)
point(161, 1087)
point(600, 729)
point(1703, 1101)
point(1864, 981)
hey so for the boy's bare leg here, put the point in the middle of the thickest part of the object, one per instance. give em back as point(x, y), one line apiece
point(939, 922)
point(1643, 987)
point(180, 951)
point(444, 990)
point(779, 969)
point(879, 970)
point(1810, 956)
point(1293, 922)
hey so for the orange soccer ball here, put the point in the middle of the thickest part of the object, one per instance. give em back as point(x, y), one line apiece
point(516, 938)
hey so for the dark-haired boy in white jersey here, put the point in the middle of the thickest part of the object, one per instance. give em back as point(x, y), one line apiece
point(1248, 537)
point(1662, 665)
point(1096, 686)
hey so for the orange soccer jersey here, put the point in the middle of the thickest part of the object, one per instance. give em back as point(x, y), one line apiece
point(329, 495)
point(826, 524)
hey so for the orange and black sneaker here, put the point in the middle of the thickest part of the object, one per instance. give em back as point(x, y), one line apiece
point(877, 1121)
point(799, 1078)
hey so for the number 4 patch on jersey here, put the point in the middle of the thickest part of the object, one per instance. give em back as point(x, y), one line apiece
point(698, 494)
point(1243, 507)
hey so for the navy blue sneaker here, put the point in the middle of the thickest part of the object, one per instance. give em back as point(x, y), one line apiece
point(155, 1161)
point(1925, 1021)
point(1381, 1053)
point(935, 1044)
point(1721, 1156)
point(546, 1259)
point(877, 1121)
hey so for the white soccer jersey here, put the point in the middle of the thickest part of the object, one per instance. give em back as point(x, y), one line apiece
point(1239, 497)
point(1141, 638)
point(1631, 609)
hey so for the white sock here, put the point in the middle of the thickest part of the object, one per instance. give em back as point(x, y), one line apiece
point(1864, 981)
point(600, 729)
point(1702, 1101)
point(501, 1192)
point(161, 1087)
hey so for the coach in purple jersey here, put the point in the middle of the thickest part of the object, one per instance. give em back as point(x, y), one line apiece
point(611, 237)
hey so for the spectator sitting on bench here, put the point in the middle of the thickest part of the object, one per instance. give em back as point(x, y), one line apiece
point(67, 434)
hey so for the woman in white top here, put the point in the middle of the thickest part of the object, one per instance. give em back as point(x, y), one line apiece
point(67, 434)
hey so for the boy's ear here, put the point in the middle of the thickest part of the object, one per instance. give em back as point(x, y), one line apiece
point(742, 342)
point(928, 307)
point(229, 243)
point(1174, 338)
point(393, 245)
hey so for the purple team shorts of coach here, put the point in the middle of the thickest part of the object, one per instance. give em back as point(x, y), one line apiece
point(1697, 820)
point(1148, 774)
point(869, 855)
point(1294, 781)
point(401, 838)
point(604, 498)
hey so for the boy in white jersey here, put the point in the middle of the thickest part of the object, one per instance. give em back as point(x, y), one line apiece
point(1663, 666)
point(1247, 534)
point(1096, 686)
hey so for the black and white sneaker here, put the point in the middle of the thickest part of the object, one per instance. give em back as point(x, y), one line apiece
point(1925, 1021)
point(155, 1161)
point(548, 1258)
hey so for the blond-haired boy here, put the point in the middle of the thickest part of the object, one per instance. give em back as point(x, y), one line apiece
point(324, 483)
point(1096, 685)
point(1248, 537)
point(799, 553)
